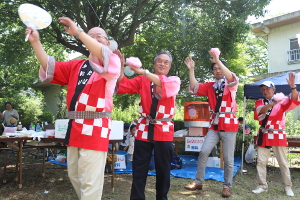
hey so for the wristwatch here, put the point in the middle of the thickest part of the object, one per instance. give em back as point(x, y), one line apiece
point(79, 30)
point(146, 71)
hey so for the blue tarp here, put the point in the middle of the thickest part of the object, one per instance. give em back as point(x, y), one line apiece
point(252, 91)
point(52, 160)
point(189, 168)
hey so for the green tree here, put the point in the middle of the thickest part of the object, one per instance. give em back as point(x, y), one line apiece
point(143, 27)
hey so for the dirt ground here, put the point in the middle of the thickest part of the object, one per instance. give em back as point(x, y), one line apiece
point(56, 185)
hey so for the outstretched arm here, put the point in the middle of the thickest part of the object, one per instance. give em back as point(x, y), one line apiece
point(191, 66)
point(92, 45)
point(215, 59)
point(152, 77)
point(40, 53)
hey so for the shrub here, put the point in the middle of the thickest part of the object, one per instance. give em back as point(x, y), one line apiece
point(126, 115)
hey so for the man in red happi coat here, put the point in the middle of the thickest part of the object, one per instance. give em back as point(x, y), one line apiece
point(271, 116)
point(91, 83)
point(221, 95)
point(155, 128)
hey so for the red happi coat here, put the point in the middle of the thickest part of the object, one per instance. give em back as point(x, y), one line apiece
point(96, 96)
point(227, 122)
point(276, 120)
point(163, 131)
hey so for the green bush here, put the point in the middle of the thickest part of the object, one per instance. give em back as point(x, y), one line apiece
point(292, 127)
point(126, 115)
point(178, 125)
point(239, 143)
point(61, 112)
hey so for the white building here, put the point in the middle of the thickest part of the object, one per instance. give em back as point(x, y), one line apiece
point(283, 49)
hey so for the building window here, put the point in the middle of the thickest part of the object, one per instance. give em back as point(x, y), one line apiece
point(293, 55)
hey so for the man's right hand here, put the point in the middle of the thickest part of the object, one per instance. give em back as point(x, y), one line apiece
point(34, 34)
point(189, 63)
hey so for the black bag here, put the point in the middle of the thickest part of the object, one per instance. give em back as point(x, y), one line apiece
point(176, 162)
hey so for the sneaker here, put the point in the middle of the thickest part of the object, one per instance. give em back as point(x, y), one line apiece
point(260, 190)
point(289, 192)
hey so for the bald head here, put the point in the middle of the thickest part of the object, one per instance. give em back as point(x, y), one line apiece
point(100, 35)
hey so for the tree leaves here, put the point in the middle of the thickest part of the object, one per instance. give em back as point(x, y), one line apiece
point(142, 28)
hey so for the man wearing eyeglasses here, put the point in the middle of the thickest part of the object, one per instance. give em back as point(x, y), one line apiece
point(224, 124)
point(155, 128)
point(271, 116)
point(91, 83)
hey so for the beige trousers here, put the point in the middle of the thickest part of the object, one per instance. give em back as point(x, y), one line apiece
point(86, 172)
point(263, 155)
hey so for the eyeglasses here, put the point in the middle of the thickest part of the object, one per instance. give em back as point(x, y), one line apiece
point(217, 69)
point(98, 37)
point(163, 62)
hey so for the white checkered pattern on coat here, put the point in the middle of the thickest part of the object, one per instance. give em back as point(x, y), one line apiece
point(87, 129)
point(142, 113)
point(271, 135)
point(162, 113)
point(89, 106)
point(165, 126)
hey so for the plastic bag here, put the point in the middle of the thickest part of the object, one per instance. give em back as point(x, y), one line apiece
point(250, 154)
point(176, 162)
point(61, 158)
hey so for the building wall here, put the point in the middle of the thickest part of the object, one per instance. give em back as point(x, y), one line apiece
point(278, 45)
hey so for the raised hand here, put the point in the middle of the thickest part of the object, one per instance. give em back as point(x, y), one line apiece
point(121, 56)
point(189, 63)
point(291, 80)
point(214, 56)
point(70, 27)
point(33, 34)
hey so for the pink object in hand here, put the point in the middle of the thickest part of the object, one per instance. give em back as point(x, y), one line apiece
point(133, 62)
point(279, 96)
point(216, 50)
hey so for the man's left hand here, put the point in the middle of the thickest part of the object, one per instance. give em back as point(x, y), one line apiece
point(214, 56)
point(291, 80)
point(120, 55)
point(137, 70)
point(70, 27)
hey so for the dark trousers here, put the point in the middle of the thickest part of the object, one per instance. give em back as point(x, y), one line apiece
point(163, 154)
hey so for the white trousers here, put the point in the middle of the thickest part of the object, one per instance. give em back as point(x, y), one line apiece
point(86, 172)
point(263, 155)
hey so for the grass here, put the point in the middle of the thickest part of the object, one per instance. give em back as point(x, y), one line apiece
point(57, 184)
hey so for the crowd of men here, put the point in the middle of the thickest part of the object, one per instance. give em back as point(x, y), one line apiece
point(92, 83)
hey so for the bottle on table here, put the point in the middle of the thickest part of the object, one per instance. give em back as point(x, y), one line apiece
point(32, 126)
point(19, 127)
point(38, 127)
